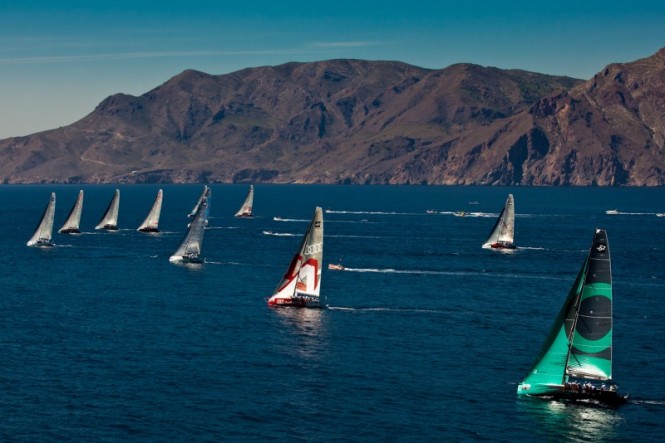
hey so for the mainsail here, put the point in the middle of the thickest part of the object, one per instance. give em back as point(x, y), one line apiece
point(206, 194)
point(503, 232)
point(109, 221)
point(189, 250)
point(151, 222)
point(246, 208)
point(71, 225)
point(44, 232)
point(579, 344)
point(301, 283)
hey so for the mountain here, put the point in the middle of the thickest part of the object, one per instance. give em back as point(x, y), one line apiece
point(354, 121)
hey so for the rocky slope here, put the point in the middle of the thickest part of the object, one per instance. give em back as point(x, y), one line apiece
point(353, 121)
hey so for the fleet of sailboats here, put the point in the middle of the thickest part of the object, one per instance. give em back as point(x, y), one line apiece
point(301, 284)
point(574, 364)
point(44, 233)
point(503, 232)
point(109, 221)
point(246, 208)
point(577, 354)
point(71, 225)
point(151, 222)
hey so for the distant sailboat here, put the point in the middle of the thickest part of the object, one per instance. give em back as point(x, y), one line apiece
point(577, 353)
point(109, 221)
point(44, 233)
point(301, 284)
point(246, 208)
point(503, 233)
point(151, 222)
point(206, 194)
point(189, 250)
point(71, 225)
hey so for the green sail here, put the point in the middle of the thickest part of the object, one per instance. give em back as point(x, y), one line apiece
point(580, 341)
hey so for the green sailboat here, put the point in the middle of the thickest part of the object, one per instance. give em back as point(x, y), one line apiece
point(575, 362)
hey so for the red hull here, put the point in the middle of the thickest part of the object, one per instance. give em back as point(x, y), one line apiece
point(296, 302)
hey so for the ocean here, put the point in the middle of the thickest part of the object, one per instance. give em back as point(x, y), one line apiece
point(425, 338)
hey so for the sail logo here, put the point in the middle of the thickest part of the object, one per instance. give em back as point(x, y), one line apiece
point(601, 248)
point(315, 248)
point(317, 224)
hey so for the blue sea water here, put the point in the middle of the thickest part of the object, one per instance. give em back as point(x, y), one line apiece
point(425, 338)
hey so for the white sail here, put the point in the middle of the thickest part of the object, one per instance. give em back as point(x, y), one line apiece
point(205, 194)
point(503, 233)
point(246, 208)
point(301, 283)
point(109, 221)
point(189, 250)
point(44, 232)
point(71, 225)
point(151, 222)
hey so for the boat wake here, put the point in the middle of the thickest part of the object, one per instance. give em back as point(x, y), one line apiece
point(639, 401)
point(280, 219)
point(331, 211)
point(482, 273)
point(466, 214)
point(532, 248)
point(278, 234)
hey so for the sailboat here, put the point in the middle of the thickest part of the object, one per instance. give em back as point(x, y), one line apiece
point(189, 250)
point(301, 284)
point(71, 225)
point(151, 222)
point(109, 221)
point(577, 354)
point(44, 232)
point(503, 232)
point(246, 208)
point(206, 194)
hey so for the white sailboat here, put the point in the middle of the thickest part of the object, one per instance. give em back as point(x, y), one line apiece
point(301, 284)
point(503, 232)
point(151, 222)
point(109, 221)
point(71, 225)
point(246, 208)
point(44, 233)
point(189, 250)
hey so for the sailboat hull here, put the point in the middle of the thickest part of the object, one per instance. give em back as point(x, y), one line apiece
point(69, 231)
point(41, 244)
point(107, 228)
point(598, 397)
point(502, 245)
point(296, 302)
point(149, 230)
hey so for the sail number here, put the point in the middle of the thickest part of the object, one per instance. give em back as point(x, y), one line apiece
point(315, 248)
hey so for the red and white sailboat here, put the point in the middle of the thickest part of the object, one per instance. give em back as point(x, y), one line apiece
point(301, 284)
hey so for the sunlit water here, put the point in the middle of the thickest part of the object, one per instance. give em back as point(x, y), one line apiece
point(425, 338)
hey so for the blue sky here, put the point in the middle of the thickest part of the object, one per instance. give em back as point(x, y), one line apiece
point(58, 60)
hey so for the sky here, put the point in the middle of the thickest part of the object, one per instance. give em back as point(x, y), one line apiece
point(58, 60)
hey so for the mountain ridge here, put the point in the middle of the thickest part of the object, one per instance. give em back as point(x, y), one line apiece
point(365, 122)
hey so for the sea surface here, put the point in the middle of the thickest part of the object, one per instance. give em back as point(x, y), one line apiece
point(425, 338)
